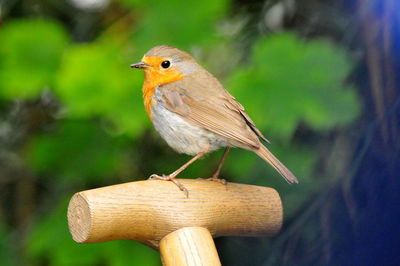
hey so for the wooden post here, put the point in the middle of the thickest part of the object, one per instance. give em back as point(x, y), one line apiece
point(158, 214)
point(189, 246)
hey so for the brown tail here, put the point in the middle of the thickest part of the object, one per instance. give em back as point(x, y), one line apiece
point(264, 153)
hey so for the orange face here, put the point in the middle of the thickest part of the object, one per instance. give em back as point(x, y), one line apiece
point(157, 74)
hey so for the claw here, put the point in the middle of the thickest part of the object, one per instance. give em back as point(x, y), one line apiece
point(173, 180)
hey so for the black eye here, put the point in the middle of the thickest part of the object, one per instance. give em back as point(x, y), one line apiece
point(166, 64)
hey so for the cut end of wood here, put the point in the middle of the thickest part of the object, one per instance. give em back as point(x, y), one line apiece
point(79, 218)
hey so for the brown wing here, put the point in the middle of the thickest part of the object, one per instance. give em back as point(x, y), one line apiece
point(250, 123)
point(214, 109)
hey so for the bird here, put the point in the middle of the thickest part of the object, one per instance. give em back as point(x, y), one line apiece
point(195, 114)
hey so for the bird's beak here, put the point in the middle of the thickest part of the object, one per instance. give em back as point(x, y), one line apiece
point(140, 65)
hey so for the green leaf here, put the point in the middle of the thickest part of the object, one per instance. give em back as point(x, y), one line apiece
point(77, 152)
point(96, 80)
point(288, 81)
point(30, 52)
point(177, 22)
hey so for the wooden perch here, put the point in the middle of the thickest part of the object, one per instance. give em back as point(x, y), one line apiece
point(155, 211)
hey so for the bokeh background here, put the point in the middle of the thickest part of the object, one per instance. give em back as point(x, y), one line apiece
point(318, 77)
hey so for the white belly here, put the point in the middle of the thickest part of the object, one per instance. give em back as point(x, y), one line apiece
point(182, 136)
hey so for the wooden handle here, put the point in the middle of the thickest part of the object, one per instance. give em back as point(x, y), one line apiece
point(189, 246)
point(146, 211)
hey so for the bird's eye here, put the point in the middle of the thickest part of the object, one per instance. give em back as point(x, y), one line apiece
point(166, 64)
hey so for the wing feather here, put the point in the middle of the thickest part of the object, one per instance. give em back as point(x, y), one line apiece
point(215, 113)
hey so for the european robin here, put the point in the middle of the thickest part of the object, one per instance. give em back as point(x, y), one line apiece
point(195, 114)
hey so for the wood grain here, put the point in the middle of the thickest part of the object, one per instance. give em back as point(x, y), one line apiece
point(147, 211)
point(192, 246)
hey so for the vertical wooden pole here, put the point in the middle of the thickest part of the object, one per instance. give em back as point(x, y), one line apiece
point(189, 246)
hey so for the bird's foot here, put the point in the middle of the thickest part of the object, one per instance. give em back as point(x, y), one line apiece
point(173, 180)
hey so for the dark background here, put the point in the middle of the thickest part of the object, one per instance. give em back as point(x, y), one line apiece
point(319, 78)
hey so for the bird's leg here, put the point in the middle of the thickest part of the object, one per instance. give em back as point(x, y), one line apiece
point(173, 175)
point(215, 176)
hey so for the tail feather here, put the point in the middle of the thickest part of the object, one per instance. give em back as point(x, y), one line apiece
point(264, 153)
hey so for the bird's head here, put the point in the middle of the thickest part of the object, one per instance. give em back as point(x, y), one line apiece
point(165, 64)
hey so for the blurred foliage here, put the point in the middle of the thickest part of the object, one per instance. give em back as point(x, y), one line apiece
point(31, 58)
point(100, 133)
point(99, 156)
point(5, 246)
point(313, 93)
point(94, 81)
point(176, 22)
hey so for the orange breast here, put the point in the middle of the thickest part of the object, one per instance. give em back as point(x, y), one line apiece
point(152, 80)
point(148, 93)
